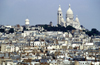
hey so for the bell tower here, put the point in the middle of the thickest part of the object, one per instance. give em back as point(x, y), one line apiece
point(59, 15)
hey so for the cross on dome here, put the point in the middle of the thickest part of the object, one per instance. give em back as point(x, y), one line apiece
point(59, 9)
point(69, 11)
point(59, 5)
point(77, 20)
point(69, 5)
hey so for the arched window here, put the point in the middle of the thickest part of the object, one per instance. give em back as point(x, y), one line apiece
point(60, 14)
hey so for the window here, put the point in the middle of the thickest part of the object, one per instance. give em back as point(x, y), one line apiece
point(60, 14)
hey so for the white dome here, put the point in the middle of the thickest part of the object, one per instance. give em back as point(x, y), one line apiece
point(67, 20)
point(69, 11)
point(62, 19)
point(76, 20)
point(26, 20)
point(59, 9)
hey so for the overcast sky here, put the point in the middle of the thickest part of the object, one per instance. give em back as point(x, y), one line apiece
point(14, 12)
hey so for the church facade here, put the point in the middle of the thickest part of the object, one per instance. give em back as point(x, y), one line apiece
point(69, 18)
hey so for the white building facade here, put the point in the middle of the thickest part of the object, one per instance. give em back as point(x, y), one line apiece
point(69, 18)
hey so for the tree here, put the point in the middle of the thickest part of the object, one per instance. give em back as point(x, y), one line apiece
point(70, 28)
point(11, 30)
point(2, 30)
point(89, 33)
point(82, 26)
point(59, 28)
point(59, 25)
point(95, 31)
point(24, 28)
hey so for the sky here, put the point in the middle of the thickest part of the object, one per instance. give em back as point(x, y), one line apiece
point(13, 12)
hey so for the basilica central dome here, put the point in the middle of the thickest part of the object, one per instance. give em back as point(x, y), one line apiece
point(59, 9)
point(69, 11)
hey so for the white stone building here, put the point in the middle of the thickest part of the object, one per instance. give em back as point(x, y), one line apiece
point(7, 48)
point(69, 18)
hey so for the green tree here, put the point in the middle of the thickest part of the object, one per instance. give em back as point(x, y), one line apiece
point(11, 30)
point(59, 28)
point(70, 28)
point(94, 31)
point(89, 33)
point(2, 30)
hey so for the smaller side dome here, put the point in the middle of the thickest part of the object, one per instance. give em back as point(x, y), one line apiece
point(67, 20)
point(76, 20)
point(59, 9)
point(62, 19)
